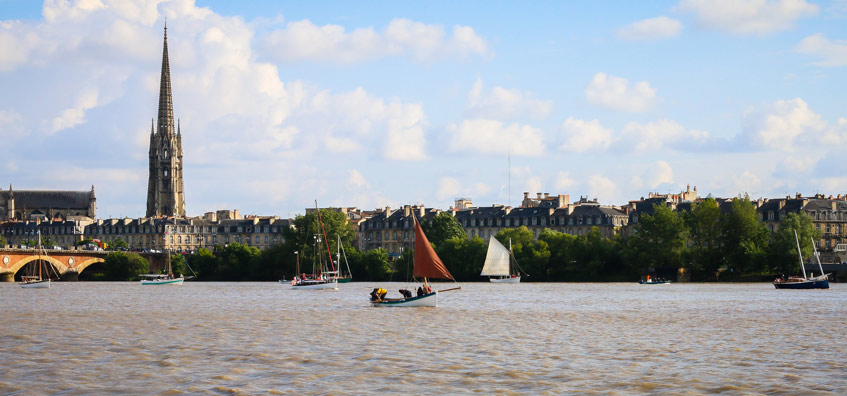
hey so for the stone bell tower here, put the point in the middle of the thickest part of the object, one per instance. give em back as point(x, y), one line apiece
point(165, 193)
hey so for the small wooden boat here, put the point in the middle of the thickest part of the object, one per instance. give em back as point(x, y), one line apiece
point(654, 282)
point(161, 279)
point(39, 274)
point(805, 282)
point(426, 264)
point(499, 262)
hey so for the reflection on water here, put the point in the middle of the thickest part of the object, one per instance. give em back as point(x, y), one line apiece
point(251, 338)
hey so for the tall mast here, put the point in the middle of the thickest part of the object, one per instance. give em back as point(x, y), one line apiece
point(800, 253)
point(817, 255)
point(323, 231)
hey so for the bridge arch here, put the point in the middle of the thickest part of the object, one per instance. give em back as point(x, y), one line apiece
point(58, 265)
point(83, 265)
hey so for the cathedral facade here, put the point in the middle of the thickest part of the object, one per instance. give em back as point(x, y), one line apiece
point(165, 191)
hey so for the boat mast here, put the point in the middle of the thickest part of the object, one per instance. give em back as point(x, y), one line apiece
point(817, 255)
point(38, 233)
point(323, 231)
point(800, 253)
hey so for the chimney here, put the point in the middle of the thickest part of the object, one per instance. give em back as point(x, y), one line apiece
point(538, 195)
point(407, 210)
point(422, 210)
point(546, 195)
point(781, 204)
point(387, 211)
point(525, 194)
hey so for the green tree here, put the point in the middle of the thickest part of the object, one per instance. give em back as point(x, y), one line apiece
point(659, 239)
point(178, 264)
point(304, 236)
point(463, 257)
point(562, 264)
point(123, 266)
point(782, 249)
point(203, 262)
point(745, 238)
point(704, 225)
point(118, 244)
point(371, 265)
point(443, 227)
point(2, 241)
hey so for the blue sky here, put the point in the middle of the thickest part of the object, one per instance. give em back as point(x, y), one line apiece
point(374, 104)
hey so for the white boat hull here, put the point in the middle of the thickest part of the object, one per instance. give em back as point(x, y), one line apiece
point(315, 286)
point(516, 279)
point(427, 300)
point(177, 281)
point(45, 284)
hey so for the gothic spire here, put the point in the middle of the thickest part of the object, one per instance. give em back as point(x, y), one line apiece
point(166, 108)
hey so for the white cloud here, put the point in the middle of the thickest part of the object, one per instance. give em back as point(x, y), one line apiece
point(564, 181)
point(494, 137)
point(615, 93)
point(650, 29)
point(448, 188)
point(303, 40)
point(533, 184)
point(585, 136)
point(837, 134)
point(796, 165)
point(502, 103)
point(748, 16)
point(660, 173)
point(11, 125)
point(651, 136)
point(357, 179)
point(602, 188)
point(832, 53)
point(75, 115)
point(779, 126)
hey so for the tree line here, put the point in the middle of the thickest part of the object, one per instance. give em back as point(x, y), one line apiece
point(709, 243)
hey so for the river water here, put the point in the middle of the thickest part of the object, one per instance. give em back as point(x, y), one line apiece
point(264, 338)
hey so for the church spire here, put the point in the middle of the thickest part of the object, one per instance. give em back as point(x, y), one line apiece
point(166, 108)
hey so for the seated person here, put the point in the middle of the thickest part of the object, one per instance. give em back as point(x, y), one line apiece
point(405, 293)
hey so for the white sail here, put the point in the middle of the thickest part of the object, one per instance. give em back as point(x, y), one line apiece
point(496, 260)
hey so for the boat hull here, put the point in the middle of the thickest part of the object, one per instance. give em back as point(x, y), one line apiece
point(344, 280)
point(516, 279)
point(316, 286)
point(43, 284)
point(809, 284)
point(426, 300)
point(654, 282)
point(177, 281)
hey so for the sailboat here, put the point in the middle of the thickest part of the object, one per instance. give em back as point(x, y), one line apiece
point(163, 279)
point(498, 263)
point(38, 276)
point(342, 277)
point(320, 278)
point(806, 282)
point(426, 265)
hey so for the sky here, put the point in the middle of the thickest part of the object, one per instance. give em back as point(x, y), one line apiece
point(387, 103)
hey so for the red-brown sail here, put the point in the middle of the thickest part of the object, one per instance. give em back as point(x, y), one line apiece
point(427, 263)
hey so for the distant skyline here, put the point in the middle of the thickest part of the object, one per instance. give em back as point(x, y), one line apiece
point(374, 104)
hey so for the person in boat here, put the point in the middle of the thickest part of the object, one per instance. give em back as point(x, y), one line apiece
point(405, 293)
point(375, 294)
point(427, 289)
point(420, 291)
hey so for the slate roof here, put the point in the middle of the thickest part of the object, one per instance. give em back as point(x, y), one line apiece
point(31, 199)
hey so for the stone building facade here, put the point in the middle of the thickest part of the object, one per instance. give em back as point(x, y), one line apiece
point(392, 230)
point(47, 204)
point(829, 216)
point(165, 191)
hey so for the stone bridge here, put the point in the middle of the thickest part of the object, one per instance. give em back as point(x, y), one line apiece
point(68, 263)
